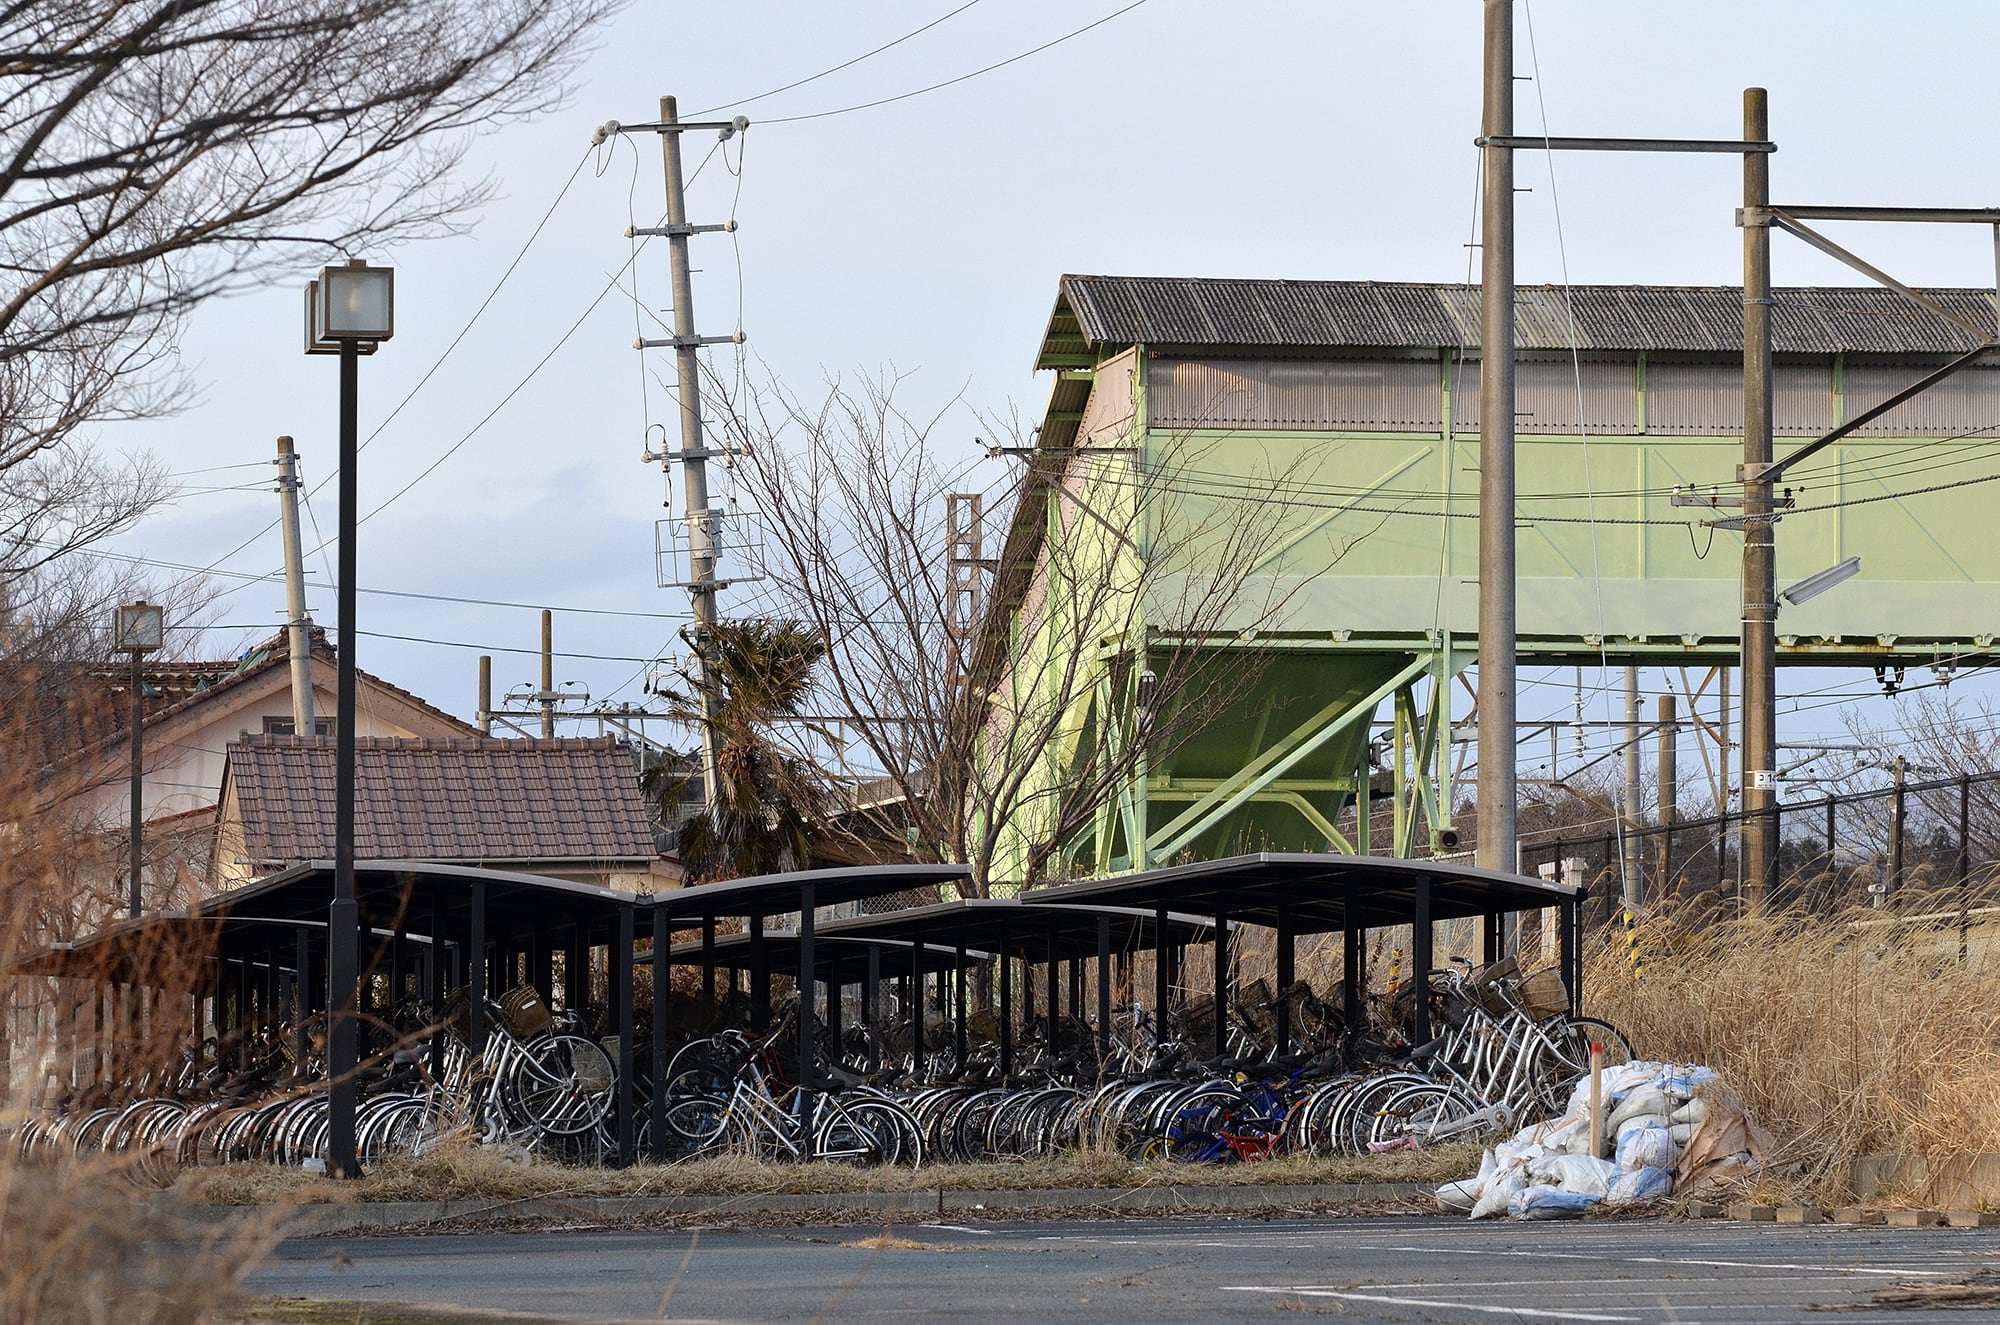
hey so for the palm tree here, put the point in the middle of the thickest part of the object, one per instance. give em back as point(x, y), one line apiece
point(760, 816)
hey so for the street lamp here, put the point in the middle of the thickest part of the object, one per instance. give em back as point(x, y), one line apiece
point(349, 311)
point(138, 629)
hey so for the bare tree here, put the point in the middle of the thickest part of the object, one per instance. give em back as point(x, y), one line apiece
point(156, 154)
point(1002, 746)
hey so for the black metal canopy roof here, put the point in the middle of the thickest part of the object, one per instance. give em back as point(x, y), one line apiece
point(172, 948)
point(834, 956)
point(1318, 893)
point(1021, 928)
point(428, 898)
point(779, 894)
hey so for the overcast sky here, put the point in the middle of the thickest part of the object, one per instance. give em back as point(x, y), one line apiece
point(1277, 138)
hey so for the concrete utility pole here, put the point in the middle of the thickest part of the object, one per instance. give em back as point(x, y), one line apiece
point(547, 697)
point(1760, 599)
point(1496, 848)
point(1635, 865)
point(298, 625)
point(694, 455)
point(1669, 810)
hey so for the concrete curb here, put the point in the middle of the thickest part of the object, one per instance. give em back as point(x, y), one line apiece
point(310, 1220)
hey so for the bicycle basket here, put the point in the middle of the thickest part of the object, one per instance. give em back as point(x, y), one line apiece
point(1544, 994)
point(525, 1013)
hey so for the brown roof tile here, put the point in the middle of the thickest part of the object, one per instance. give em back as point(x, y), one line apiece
point(460, 799)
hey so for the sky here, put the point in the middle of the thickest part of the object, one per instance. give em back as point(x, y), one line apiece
point(1277, 138)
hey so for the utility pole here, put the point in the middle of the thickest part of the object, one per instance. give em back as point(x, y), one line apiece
point(486, 694)
point(1757, 858)
point(1635, 879)
point(298, 625)
point(1669, 797)
point(1496, 847)
point(694, 454)
point(547, 697)
point(965, 560)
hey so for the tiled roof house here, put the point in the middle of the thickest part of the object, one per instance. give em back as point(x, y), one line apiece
point(568, 808)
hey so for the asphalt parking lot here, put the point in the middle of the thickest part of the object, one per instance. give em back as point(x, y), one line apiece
point(1376, 1269)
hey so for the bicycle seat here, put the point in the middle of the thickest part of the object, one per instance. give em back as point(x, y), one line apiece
point(1428, 1050)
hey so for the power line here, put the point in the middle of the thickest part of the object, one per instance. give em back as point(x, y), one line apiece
point(744, 101)
point(436, 643)
point(438, 363)
point(253, 577)
point(949, 82)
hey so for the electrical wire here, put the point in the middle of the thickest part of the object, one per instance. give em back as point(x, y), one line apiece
point(951, 82)
point(849, 64)
point(439, 362)
point(250, 577)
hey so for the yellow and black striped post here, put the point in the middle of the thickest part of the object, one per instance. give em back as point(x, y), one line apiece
point(1632, 945)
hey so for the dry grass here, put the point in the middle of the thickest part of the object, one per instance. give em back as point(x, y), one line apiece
point(469, 1173)
point(1843, 1036)
point(81, 1251)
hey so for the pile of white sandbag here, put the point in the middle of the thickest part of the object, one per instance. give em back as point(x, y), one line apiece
point(1659, 1136)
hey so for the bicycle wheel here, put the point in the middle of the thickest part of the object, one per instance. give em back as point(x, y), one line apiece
point(697, 1123)
point(559, 1084)
point(1420, 1115)
point(1561, 1057)
point(856, 1134)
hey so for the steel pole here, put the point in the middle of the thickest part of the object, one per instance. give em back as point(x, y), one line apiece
point(1497, 791)
point(135, 842)
point(1760, 610)
point(343, 916)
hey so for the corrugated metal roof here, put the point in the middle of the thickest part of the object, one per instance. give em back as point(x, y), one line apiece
point(444, 800)
point(1116, 311)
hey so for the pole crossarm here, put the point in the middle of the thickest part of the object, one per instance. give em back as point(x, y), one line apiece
point(1272, 764)
point(1915, 215)
point(1791, 225)
point(1731, 146)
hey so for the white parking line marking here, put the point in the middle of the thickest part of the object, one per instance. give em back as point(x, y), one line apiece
point(1517, 1312)
point(1659, 1260)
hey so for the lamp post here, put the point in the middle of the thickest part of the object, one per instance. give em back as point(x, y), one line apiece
point(349, 311)
point(139, 629)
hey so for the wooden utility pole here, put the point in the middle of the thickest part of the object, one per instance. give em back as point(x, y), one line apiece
point(1760, 599)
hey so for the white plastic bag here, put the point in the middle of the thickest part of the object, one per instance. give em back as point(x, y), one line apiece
point(1580, 1175)
point(1635, 1186)
point(1499, 1190)
point(1460, 1196)
point(1642, 1102)
point(1691, 1112)
point(1644, 1145)
point(1545, 1202)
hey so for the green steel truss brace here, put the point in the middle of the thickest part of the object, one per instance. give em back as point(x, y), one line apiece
point(1270, 765)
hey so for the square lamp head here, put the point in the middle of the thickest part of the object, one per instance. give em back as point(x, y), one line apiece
point(352, 303)
point(139, 627)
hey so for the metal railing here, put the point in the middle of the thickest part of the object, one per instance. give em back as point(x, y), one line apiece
point(1921, 845)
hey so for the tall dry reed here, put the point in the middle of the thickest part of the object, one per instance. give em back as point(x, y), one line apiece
point(1843, 1035)
point(78, 1240)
